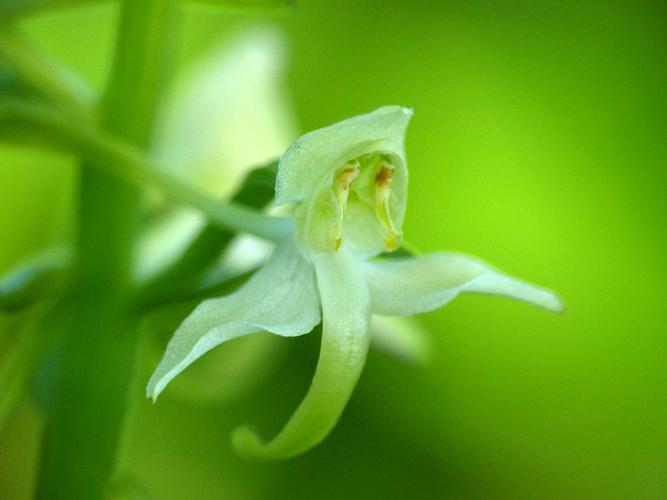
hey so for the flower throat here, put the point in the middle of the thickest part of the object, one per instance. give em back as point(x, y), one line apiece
point(366, 182)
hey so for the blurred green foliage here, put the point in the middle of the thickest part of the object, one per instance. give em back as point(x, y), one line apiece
point(538, 143)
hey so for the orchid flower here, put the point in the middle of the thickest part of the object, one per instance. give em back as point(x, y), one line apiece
point(348, 185)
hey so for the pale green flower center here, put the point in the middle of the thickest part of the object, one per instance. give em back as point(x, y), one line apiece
point(356, 207)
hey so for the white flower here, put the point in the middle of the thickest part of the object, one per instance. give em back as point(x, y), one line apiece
point(348, 183)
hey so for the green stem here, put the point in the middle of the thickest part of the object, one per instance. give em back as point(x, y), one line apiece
point(45, 127)
point(132, 165)
point(99, 343)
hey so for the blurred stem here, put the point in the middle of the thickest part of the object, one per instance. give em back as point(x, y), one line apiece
point(43, 75)
point(98, 346)
point(42, 126)
point(15, 8)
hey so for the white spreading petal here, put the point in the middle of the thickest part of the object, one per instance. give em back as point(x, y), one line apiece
point(280, 298)
point(401, 287)
point(345, 340)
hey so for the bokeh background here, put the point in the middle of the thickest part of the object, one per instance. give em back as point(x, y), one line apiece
point(538, 143)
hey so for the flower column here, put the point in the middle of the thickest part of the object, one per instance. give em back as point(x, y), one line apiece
point(98, 341)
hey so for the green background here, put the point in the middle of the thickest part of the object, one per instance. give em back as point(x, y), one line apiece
point(539, 144)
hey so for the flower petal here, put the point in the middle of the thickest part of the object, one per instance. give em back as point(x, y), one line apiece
point(316, 155)
point(345, 340)
point(401, 287)
point(280, 298)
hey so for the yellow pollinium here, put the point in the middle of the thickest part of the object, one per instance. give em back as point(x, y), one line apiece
point(342, 185)
point(382, 192)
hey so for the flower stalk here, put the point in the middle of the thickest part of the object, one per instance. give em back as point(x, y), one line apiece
point(98, 337)
point(113, 155)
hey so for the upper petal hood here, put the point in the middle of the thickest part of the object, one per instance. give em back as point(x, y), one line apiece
point(317, 155)
point(350, 180)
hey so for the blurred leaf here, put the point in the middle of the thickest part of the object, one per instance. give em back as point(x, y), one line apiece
point(41, 276)
point(224, 116)
point(259, 186)
point(203, 289)
point(403, 338)
point(43, 75)
point(15, 8)
point(129, 487)
point(244, 4)
point(18, 365)
point(10, 86)
point(228, 113)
